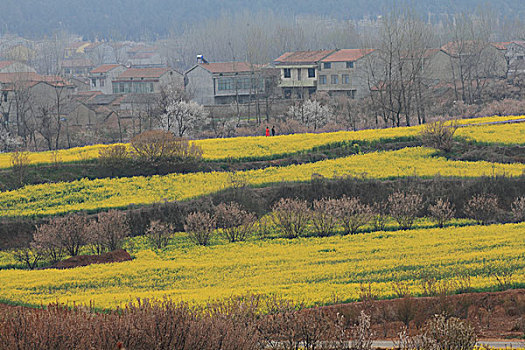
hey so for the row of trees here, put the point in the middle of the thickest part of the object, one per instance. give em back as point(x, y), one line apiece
point(293, 218)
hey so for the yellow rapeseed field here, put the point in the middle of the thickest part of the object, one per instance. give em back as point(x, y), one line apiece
point(313, 270)
point(261, 147)
point(91, 195)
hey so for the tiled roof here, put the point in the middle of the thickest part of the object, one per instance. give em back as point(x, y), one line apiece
point(303, 56)
point(505, 45)
point(227, 67)
point(14, 77)
point(347, 55)
point(105, 68)
point(4, 64)
point(143, 73)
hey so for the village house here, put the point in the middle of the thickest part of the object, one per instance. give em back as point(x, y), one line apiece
point(146, 80)
point(341, 73)
point(142, 56)
point(219, 83)
point(78, 67)
point(15, 67)
point(299, 72)
point(101, 78)
point(514, 53)
point(25, 92)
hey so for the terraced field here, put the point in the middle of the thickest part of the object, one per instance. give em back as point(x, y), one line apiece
point(93, 195)
point(314, 270)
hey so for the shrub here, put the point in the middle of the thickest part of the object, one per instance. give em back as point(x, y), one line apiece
point(291, 217)
point(443, 333)
point(439, 135)
point(483, 208)
point(28, 256)
point(109, 230)
point(324, 216)
point(155, 146)
point(19, 164)
point(404, 208)
point(518, 209)
point(236, 223)
point(159, 233)
point(352, 214)
point(114, 157)
point(441, 212)
point(200, 227)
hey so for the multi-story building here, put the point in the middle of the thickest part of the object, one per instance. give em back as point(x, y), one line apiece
point(225, 82)
point(146, 80)
point(101, 78)
point(343, 73)
point(299, 72)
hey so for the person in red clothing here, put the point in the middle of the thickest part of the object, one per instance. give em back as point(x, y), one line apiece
point(267, 131)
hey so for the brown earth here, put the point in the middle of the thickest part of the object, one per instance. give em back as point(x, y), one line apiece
point(494, 315)
point(119, 255)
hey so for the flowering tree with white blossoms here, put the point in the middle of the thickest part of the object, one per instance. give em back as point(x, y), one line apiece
point(8, 142)
point(311, 113)
point(181, 116)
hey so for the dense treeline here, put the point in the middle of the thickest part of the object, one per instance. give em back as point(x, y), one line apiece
point(136, 19)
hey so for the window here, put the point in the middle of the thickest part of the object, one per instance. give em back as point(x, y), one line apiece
point(335, 79)
point(287, 93)
point(225, 84)
point(350, 64)
point(311, 72)
point(351, 94)
point(102, 82)
point(4, 94)
point(327, 65)
point(287, 73)
point(298, 73)
point(121, 87)
point(322, 79)
point(151, 87)
point(346, 79)
point(94, 82)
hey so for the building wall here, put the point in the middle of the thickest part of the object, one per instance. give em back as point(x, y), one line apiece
point(103, 81)
point(200, 86)
point(172, 78)
point(298, 76)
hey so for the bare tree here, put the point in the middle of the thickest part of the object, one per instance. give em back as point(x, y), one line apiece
point(473, 59)
point(394, 72)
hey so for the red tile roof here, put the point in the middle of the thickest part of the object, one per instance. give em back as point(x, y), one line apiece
point(303, 56)
point(227, 67)
point(14, 77)
point(345, 55)
point(105, 68)
point(143, 73)
point(4, 64)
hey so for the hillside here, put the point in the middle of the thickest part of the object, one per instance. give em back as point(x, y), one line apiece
point(134, 19)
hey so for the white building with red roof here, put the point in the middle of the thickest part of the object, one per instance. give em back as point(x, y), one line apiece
point(341, 73)
point(101, 78)
point(299, 72)
point(224, 82)
point(146, 80)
